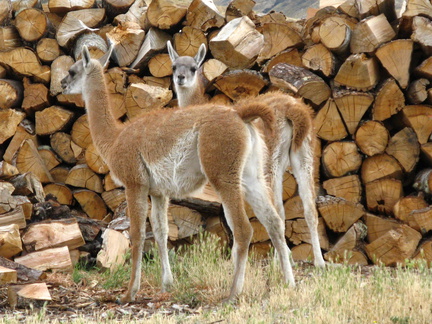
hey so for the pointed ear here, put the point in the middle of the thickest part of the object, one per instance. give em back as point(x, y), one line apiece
point(85, 54)
point(172, 53)
point(199, 58)
point(104, 60)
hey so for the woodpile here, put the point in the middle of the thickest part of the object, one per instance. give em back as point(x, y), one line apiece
point(365, 71)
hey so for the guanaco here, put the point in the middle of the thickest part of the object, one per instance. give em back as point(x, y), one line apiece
point(174, 152)
point(290, 145)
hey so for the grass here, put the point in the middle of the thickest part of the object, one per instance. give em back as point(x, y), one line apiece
point(338, 294)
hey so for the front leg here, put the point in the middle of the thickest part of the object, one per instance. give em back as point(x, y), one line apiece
point(159, 222)
point(136, 197)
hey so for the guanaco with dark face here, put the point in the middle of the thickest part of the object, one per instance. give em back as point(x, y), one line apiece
point(174, 152)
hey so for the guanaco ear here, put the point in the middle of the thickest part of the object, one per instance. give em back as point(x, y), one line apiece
point(171, 51)
point(104, 60)
point(85, 56)
point(199, 58)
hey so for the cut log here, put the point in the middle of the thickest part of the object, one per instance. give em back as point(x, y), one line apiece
point(380, 166)
point(302, 252)
point(297, 232)
point(289, 185)
point(117, 7)
point(9, 38)
point(260, 250)
point(95, 44)
point(127, 39)
point(29, 160)
point(95, 161)
point(188, 41)
point(47, 49)
point(60, 173)
point(212, 68)
point(419, 118)
point(318, 58)
point(50, 259)
point(237, 44)
point(328, 122)
point(277, 37)
point(154, 42)
point(7, 202)
point(10, 240)
point(35, 294)
point(348, 246)
point(114, 249)
point(5, 13)
point(7, 276)
point(24, 131)
point(29, 185)
point(395, 56)
point(335, 33)
point(82, 176)
point(394, 247)
point(239, 8)
point(60, 67)
point(425, 68)
point(165, 14)
point(426, 149)
point(405, 148)
point(293, 208)
point(418, 7)
point(388, 101)
point(114, 198)
point(61, 144)
point(62, 193)
point(378, 226)
point(423, 181)
point(32, 24)
point(358, 72)
point(49, 157)
point(422, 28)
point(188, 221)
point(339, 214)
point(7, 170)
point(340, 158)
point(417, 91)
point(11, 94)
point(109, 183)
point(370, 33)
point(348, 188)
point(424, 252)
point(259, 232)
point(76, 23)
point(52, 234)
point(23, 273)
point(61, 7)
point(80, 132)
point(9, 121)
point(52, 119)
point(91, 203)
point(36, 97)
point(423, 217)
point(372, 7)
point(160, 65)
point(372, 137)
point(300, 81)
point(290, 56)
point(352, 106)
point(382, 195)
point(215, 226)
point(204, 15)
point(137, 13)
point(240, 83)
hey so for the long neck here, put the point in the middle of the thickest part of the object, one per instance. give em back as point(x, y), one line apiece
point(191, 95)
point(104, 128)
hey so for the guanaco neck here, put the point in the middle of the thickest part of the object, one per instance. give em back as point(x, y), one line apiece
point(104, 128)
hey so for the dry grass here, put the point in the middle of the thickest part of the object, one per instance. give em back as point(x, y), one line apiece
point(338, 294)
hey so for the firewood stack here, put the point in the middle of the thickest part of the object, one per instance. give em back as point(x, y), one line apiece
point(365, 71)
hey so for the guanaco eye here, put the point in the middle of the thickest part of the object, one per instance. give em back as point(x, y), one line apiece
point(72, 73)
point(193, 69)
point(174, 68)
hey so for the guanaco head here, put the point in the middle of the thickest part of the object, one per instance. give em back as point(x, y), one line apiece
point(74, 82)
point(185, 67)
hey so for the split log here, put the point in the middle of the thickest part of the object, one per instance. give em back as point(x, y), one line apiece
point(188, 41)
point(370, 33)
point(114, 198)
point(165, 14)
point(382, 195)
point(358, 72)
point(348, 188)
point(424, 252)
point(419, 118)
point(417, 91)
point(5, 13)
point(160, 65)
point(395, 56)
point(318, 58)
point(60, 174)
point(7, 170)
point(127, 39)
point(260, 250)
point(80, 132)
point(10, 240)
point(94, 161)
point(378, 226)
point(239, 8)
point(29, 160)
point(328, 122)
point(49, 157)
point(302, 252)
point(117, 7)
point(423, 217)
point(114, 249)
point(341, 158)
point(62, 193)
point(289, 56)
point(61, 7)
point(36, 97)
point(297, 232)
point(95, 44)
point(215, 226)
point(240, 83)
point(212, 68)
point(11, 94)
point(22, 133)
point(425, 68)
point(82, 176)
point(300, 81)
point(29, 185)
point(426, 149)
point(7, 276)
point(47, 49)
point(380, 166)
point(289, 186)
point(418, 7)
point(52, 234)
point(422, 28)
point(61, 144)
point(394, 247)
point(348, 249)
point(293, 208)
point(372, 137)
point(10, 120)
point(335, 33)
point(137, 13)
point(237, 44)
point(32, 24)
point(188, 221)
point(388, 101)
point(423, 181)
point(36, 294)
point(339, 214)
point(204, 15)
point(405, 148)
point(52, 119)
point(372, 7)
point(50, 259)
point(91, 203)
point(260, 234)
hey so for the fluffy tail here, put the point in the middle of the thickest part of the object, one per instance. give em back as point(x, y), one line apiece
point(300, 116)
point(248, 111)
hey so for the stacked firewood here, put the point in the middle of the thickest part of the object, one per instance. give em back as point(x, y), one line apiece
point(365, 71)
